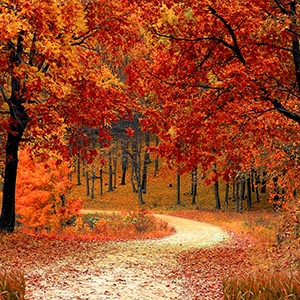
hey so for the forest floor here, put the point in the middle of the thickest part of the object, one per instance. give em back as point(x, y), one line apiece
point(147, 269)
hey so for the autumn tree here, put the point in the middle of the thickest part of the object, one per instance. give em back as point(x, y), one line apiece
point(223, 81)
point(41, 194)
point(53, 73)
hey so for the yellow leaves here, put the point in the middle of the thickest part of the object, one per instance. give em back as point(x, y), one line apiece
point(172, 131)
point(168, 14)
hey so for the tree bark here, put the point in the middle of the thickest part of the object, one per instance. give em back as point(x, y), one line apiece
point(18, 123)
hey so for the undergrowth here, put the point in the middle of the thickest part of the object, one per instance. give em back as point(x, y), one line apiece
point(279, 286)
point(125, 225)
point(12, 285)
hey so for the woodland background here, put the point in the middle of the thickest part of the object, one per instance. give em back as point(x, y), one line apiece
point(159, 105)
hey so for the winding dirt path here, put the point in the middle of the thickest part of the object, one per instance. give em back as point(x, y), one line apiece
point(135, 270)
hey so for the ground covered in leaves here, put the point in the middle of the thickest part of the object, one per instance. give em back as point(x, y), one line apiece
point(148, 269)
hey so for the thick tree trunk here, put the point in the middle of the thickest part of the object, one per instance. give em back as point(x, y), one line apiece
point(7, 219)
point(17, 128)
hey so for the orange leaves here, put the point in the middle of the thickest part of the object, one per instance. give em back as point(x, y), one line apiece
point(42, 189)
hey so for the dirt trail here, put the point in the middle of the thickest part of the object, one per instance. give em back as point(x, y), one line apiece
point(136, 270)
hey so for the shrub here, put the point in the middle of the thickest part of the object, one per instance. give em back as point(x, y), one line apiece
point(263, 287)
point(12, 285)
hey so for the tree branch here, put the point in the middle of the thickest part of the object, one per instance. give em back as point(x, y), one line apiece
point(280, 108)
point(235, 46)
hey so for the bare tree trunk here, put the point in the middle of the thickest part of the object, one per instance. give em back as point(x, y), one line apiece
point(156, 159)
point(101, 181)
point(226, 195)
point(216, 189)
point(146, 163)
point(78, 168)
point(124, 161)
point(93, 183)
point(87, 182)
point(178, 201)
point(249, 191)
point(194, 184)
point(110, 173)
point(237, 194)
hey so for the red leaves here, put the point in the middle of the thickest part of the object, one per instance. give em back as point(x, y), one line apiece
point(129, 131)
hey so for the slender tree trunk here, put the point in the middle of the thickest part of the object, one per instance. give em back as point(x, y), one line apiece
point(87, 178)
point(101, 181)
point(178, 194)
point(257, 182)
point(264, 183)
point(216, 189)
point(124, 161)
point(217, 195)
point(242, 196)
point(249, 191)
point(115, 172)
point(110, 174)
point(146, 163)
point(156, 159)
point(93, 183)
point(226, 195)
point(237, 195)
point(136, 169)
point(194, 184)
point(78, 169)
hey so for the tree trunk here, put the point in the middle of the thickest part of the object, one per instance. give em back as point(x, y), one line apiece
point(124, 161)
point(115, 172)
point(78, 169)
point(156, 159)
point(264, 183)
point(146, 163)
point(87, 182)
point(216, 189)
point(110, 174)
point(93, 183)
point(178, 202)
point(217, 195)
point(226, 195)
point(194, 184)
point(7, 219)
point(249, 191)
point(18, 122)
point(237, 194)
point(101, 181)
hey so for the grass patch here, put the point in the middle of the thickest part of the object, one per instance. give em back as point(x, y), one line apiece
point(12, 285)
point(280, 286)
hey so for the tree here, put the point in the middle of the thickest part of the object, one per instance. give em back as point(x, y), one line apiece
point(53, 73)
point(223, 79)
point(41, 195)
